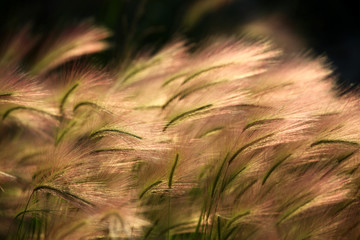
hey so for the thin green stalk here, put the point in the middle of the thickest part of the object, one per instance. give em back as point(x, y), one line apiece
point(245, 188)
point(149, 187)
point(334, 141)
point(199, 221)
point(186, 92)
point(249, 145)
point(185, 114)
point(277, 164)
point(231, 178)
point(111, 150)
point(98, 132)
point(198, 73)
point(86, 103)
point(137, 70)
point(212, 200)
point(71, 230)
point(147, 234)
point(211, 131)
point(262, 121)
point(64, 195)
point(65, 97)
point(61, 134)
point(173, 170)
point(5, 95)
point(173, 78)
point(219, 227)
point(292, 211)
point(7, 113)
point(175, 226)
point(237, 217)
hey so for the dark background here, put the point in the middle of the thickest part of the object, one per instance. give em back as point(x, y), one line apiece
point(328, 28)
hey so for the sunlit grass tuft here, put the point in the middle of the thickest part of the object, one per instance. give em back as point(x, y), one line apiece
point(235, 141)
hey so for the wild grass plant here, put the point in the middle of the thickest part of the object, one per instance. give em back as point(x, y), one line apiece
point(235, 141)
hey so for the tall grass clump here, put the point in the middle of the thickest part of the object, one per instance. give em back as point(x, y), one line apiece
point(235, 141)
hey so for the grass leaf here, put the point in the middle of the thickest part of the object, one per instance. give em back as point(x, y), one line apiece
point(149, 188)
point(173, 170)
point(185, 115)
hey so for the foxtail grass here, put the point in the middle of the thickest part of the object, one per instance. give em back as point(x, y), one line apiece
point(235, 141)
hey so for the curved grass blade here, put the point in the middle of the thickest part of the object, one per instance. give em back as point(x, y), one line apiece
point(292, 212)
point(341, 159)
point(149, 187)
point(262, 121)
point(137, 70)
point(249, 145)
point(111, 150)
point(81, 40)
point(237, 217)
point(173, 78)
point(246, 188)
point(5, 95)
point(64, 195)
point(247, 106)
point(267, 175)
point(85, 103)
point(231, 178)
point(199, 222)
point(186, 92)
point(211, 131)
point(147, 234)
point(198, 73)
point(230, 233)
point(173, 170)
point(61, 134)
point(72, 229)
point(176, 226)
point(66, 96)
point(334, 141)
point(98, 132)
point(185, 114)
point(217, 177)
point(7, 113)
point(34, 211)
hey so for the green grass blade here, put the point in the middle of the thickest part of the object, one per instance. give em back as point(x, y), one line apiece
point(175, 226)
point(173, 170)
point(249, 145)
point(5, 95)
point(98, 132)
point(237, 217)
point(334, 141)
point(9, 111)
point(218, 174)
point(185, 114)
point(66, 96)
point(198, 73)
point(111, 150)
point(173, 78)
point(85, 103)
point(262, 121)
point(139, 69)
point(267, 175)
point(64, 194)
point(186, 92)
point(149, 187)
point(246, 188)
point(211, 131)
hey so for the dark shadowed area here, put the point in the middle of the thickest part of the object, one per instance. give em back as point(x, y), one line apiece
point(326, 27)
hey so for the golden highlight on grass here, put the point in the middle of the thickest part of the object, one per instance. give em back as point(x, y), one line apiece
point(235, 141)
